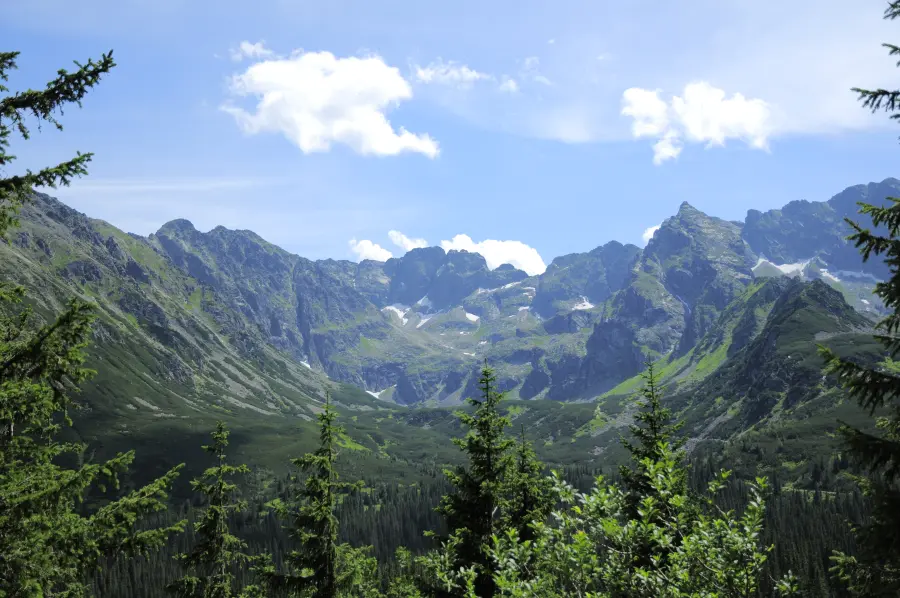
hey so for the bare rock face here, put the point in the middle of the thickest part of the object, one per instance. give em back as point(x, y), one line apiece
point(803, 230)
point(423, 322)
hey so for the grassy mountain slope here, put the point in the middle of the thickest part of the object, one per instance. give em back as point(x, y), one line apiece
point(753, 385)
point(197, 326)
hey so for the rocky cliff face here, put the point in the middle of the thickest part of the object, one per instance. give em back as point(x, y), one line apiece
point(773, 367)
point(415, 328)
point(176, 332)
point(688, 273)
point(584, 278)
point(803, 230)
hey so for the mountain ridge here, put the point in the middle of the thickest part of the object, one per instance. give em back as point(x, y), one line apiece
point(198, 326)
point(414, 328)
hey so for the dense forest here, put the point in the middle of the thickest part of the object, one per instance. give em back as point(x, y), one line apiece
point(500, 523)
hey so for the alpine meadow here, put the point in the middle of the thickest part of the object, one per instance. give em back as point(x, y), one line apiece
point(208, 415)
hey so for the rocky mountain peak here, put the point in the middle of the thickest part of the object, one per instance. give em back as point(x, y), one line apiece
point(845, 202)
point(803, 230)
point(418, 322)
point(469, 261)
point(176, 227)
point(687, 208)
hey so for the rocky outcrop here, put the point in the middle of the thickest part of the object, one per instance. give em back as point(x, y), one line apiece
point(421, 322)
point(803, 229)
point(593, 276)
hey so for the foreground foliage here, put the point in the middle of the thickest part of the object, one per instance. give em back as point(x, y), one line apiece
point(49, 542)
point(647, 538)
point(876, 570)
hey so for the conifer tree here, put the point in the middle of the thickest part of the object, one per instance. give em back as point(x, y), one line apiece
point(212, 562)
point(530, 490)
point(49, 542)
point(320, 567)
point(473, 509)
point(654, 429)
point(876, 570)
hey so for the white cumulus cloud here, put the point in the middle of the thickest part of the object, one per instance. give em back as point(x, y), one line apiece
point(249, 50)
point(316, 99)
point(367, 250)
point(650, 113)
point(404, 242)
point(497, 253)
point(449, 73)
point(702, 114)
point(648, 233)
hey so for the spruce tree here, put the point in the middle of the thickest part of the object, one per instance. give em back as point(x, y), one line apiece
point(50, 543)
point(654, 430)
point(876, 569)
point(320, 567)
point(530, 490)
point(218, 553)
point(473, 509)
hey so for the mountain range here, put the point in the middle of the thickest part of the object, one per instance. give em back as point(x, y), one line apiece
point(200, 325)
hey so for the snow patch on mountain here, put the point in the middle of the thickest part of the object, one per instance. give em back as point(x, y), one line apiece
point(826, 274)
point(400, 310)
point(472, 317)
point(795, 269)
point(583, 304)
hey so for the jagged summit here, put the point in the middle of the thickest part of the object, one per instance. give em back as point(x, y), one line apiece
point(412, 321)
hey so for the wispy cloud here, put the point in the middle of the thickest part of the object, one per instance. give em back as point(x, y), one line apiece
point(508, 85)
point(460, 76)
point(250, 50)
point(531, 71)
point(572, 90)
point(449, 73)
point(303, 213)
point(123, 186)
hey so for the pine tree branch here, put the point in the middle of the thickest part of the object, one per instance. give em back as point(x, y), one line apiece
point(66, 88)
point(876, 453)
point(872, 389)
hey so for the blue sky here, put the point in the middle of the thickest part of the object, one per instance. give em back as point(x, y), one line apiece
point(556, 125)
